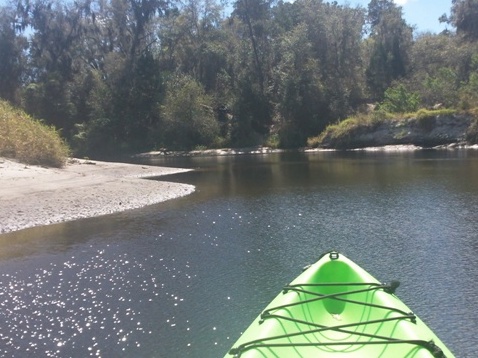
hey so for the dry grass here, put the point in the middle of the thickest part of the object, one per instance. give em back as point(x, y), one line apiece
point(28, 140)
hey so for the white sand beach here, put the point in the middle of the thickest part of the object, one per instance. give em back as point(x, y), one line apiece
point(34, 195)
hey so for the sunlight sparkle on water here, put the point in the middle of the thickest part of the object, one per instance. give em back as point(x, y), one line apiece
point(57, 309)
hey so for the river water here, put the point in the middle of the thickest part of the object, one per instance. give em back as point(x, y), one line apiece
point(184, 278)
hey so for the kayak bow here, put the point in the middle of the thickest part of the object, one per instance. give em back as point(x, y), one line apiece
point(337, 309)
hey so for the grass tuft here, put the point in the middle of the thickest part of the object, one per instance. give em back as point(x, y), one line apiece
point(341, 134)
point(29, 140)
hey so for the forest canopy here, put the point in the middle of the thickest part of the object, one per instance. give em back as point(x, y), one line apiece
point(130, 75)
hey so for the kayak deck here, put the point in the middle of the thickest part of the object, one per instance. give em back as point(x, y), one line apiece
point(336, 309)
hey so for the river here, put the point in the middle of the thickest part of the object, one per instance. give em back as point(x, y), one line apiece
point(184, 278)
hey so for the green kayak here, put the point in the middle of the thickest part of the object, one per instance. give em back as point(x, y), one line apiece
point(337, 309)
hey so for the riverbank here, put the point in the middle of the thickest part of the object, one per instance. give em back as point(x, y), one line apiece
point(428, 129)
point(34, 196)
point(267, 150)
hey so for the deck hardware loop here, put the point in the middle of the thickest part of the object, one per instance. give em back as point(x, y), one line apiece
point(391, 288)
point(334, 255)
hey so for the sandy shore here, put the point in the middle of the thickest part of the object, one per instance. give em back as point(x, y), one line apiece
point(33, 196)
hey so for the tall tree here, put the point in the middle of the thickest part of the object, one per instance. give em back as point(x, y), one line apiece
point(187, 115)
point(12, 54)
point(192, 42)
point(334, 33)
point(464, 17)
point(250, 22)
point(441, 65)
point(301, 95)
point(54, 59)
point(256, 14)
point(390, 42)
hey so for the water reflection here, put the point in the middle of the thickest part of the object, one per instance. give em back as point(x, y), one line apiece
point(60, 237)
point(253, 175)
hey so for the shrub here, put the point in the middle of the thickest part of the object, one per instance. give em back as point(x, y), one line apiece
point(399, 100)
point(272, 141)
point(469, 92)
point(313, 142)
point(441, 88)
point(188, 115)
point(29, 140)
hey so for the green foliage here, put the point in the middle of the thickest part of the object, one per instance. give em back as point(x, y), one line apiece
point(253, 115)
point(52, 99)
point(96, 137)
point(399, 100)
point(300, 92)
point(464, 16)
point(188, 116)
point(469, 91)
point(427, 113)
point(12, 57)
point(28, 140)
point(313, 142)
point(442, 88)
point(391, 40)
point(443, 67)
point(314, 87)
point(271, 72)
point(272, 141)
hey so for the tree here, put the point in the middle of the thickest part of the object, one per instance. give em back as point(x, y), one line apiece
point(464, 17)
point(250, 70)
point(318, 75)
point(377, 9)
point(256, 14)
point(55, 45)
point(188, 117)
point(469, 89)
point(390, 42)
point(441, 65)
point(192, 42)
point(12, 55)
point(344, 74)
point(302, 105)
point(136, 100)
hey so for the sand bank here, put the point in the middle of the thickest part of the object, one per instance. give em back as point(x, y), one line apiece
point(33, 195)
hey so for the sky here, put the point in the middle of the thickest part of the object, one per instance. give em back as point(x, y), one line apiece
point(423, 14)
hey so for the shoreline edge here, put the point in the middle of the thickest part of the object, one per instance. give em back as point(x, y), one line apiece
point(33, 195)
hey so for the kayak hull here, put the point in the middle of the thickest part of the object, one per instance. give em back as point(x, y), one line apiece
point(337, 309)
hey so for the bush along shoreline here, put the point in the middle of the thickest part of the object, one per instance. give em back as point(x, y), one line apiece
point(28, 140)
point(423, 129)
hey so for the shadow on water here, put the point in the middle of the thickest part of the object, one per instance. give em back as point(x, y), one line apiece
point(185, 277)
